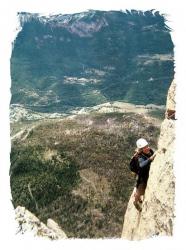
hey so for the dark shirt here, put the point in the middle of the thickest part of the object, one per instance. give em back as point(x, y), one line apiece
point(144, 164)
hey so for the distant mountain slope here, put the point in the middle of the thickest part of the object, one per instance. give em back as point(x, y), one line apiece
point(61, 62)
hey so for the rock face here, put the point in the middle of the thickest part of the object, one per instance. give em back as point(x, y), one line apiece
point(171, 104)
point(30, 223)
point(157, 213)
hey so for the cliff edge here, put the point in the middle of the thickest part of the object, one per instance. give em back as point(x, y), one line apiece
point(29, 223)
point(157, 214)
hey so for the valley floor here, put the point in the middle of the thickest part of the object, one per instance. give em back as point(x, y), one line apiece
point(76, 167)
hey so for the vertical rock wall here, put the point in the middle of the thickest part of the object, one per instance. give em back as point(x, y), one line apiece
point(157, 216)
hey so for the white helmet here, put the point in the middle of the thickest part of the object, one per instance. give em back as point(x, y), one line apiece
point(141, 143)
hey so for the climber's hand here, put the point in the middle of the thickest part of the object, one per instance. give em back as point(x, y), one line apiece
point(152, 157)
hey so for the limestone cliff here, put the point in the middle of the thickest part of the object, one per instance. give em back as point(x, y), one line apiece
point(29, 223)
point(157, 214)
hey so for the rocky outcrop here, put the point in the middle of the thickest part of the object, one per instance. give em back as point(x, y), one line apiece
point(157, 215)
point(171, 103)
point(29, 223)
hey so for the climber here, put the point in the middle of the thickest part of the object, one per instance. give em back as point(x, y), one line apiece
point(145, 156)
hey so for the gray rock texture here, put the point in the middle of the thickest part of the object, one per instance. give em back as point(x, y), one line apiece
point(29, 223)
point(157, 216)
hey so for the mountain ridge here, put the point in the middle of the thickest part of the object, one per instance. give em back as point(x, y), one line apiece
point(90, 58)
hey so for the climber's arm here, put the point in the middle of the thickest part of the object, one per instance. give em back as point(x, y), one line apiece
point(143, 162)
